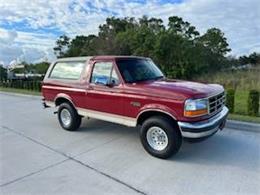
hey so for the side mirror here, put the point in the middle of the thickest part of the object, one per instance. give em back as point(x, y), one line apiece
point(102, 81)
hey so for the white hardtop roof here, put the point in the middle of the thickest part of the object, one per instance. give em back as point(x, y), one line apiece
point(87, 58)
point(82, 58)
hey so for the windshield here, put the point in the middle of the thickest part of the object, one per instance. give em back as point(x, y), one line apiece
point(135, 70)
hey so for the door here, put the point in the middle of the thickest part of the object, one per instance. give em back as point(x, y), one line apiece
point(104, 90)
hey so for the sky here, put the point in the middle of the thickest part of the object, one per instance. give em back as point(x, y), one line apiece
point(29, 28)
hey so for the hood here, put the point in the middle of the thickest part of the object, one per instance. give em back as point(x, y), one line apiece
point(178, 89)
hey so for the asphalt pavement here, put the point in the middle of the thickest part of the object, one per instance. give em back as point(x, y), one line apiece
point(38, 157)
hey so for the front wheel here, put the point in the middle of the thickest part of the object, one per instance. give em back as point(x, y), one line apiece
point(160, 137)
point(68, 117)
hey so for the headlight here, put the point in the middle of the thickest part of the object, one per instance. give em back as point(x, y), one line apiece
point(193, 108)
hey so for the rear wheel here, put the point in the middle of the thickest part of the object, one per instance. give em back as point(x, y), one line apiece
point(68, 117)
point(160, 137)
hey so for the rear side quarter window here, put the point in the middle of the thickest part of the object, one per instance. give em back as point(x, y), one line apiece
point(67, 70)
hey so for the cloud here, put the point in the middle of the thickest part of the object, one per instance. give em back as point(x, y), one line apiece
point(22, 46)
point(28, 28)
point(7, 37)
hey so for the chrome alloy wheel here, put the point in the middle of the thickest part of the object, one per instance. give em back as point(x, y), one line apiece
point(65, 117)
point(157, 138)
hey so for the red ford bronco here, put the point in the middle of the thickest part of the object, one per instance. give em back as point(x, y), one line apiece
point(132, 91)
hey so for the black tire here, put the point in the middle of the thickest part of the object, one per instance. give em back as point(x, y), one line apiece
point(75, 121)
point(173, 134)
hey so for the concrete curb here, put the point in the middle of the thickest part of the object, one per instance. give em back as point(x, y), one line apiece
point(21, 95)
point(244, 126)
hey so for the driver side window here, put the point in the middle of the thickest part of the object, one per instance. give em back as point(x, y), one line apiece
point(104, 71)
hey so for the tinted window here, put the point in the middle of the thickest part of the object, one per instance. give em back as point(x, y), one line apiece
point(103, 70)
point(134, 70)
point(67, 70)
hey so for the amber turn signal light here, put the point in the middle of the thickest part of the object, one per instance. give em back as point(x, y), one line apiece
point(194, 113)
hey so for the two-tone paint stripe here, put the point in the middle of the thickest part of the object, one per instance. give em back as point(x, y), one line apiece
point(114, 118)
point(64, 88)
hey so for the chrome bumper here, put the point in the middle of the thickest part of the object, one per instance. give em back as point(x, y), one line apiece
point(204, 128)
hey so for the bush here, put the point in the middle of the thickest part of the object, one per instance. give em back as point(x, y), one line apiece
point(33, 85)
point(253, 103)
point(230, 100)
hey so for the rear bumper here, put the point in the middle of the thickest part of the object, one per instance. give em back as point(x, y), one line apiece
point(47, 104)
point(204, 128)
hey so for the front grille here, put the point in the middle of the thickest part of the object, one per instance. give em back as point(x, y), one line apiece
point(216, 103)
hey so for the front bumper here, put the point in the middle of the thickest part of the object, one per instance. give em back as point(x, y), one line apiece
point(204, 128)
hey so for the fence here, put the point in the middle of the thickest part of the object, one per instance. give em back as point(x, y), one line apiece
point(32, 85)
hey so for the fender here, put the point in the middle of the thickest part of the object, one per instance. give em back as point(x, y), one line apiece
point(159, 108)
point(65, 96)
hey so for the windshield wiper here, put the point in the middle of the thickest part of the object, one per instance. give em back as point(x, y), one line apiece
point(157, 78)
point(146, 79)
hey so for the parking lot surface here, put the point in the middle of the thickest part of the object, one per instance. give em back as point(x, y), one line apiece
point(38, 157)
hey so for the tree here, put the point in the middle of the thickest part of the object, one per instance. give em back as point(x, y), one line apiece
point(76, 46)
point(140, 37)
point(107, 41)
point(62, 44)
point(243, 60)
point(178, 48)
point(42, 67)
point(183, 28)
point(154, 24)
point(215, 41)
point(254, 58)
point(115, 25)
point(124, 42)
point(90, 47)
point(177, 58)
point(3, 73)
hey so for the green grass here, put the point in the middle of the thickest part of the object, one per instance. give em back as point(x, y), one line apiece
point(241, 102)
point(244, 118)
point(20, 91)
point(240, 112)
point(242, 81)
point(236, 79)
